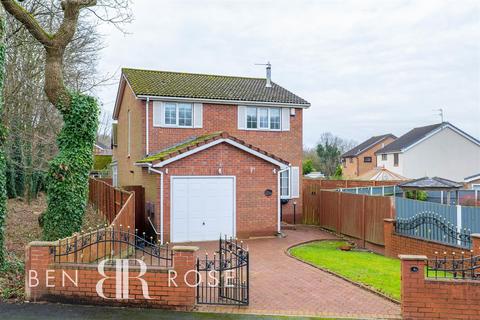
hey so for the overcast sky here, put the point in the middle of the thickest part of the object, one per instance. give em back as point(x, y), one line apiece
point(367, 67)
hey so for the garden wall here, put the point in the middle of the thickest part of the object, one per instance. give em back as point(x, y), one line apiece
point(396, 244)
point(46, 280)
point(424, 298)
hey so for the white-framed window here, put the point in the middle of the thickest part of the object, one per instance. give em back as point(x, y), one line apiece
point(384, 157)
point(395, 159)
point(115, 175)
point(285, 184)
point(290, 183)
point(476, 186)
point(263, 118)
point(178, 114)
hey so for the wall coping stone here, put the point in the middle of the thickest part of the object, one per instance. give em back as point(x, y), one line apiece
point(185, 248)
point(475, 235)
point(411, 257)
point(43, 243)
point(389, 220)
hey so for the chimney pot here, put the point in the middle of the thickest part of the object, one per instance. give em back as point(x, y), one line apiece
point(269, 75)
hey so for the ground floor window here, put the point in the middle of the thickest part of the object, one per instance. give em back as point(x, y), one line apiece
point(285, 184)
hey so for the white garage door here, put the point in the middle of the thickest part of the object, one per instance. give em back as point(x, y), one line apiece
point(202, 208)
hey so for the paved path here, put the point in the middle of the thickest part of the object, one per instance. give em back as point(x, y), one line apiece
point(280, 284)
point(53, 311)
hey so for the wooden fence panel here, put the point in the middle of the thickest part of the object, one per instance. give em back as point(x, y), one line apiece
point(377, 209)
point(329, 210)
point(352, 214)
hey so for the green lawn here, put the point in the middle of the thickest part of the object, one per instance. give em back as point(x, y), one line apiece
point(378, 272)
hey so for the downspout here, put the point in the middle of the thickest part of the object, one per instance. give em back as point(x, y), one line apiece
point(147, 149)
point(161, 203)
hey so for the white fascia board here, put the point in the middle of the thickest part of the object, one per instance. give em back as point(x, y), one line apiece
point(124, 82)
point(472, 178)
point(220, 101)
point(437, 131)
point(214, 143)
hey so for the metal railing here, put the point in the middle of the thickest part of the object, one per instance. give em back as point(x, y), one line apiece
point(112, 243)
point(431, 226)
point(224, 278)
point(457, 265)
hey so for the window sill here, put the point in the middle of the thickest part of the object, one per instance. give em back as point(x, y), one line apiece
point(263, 130)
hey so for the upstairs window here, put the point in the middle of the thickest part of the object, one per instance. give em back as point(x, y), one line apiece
point(395, 159)
point(263, 118)
point(178, 114)
point(367, 159)
point(384, 157)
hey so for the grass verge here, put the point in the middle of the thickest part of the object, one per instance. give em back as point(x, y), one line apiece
point(372, 270)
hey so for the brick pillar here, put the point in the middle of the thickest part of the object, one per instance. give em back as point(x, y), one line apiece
point(38, 258)
point(413, 282)
point(184, 262)
point(475, 243)
point(388, 230)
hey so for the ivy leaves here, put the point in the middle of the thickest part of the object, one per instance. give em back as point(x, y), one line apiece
point(67, 179)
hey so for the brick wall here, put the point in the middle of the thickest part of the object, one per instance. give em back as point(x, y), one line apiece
point(256, 214)
point(216, 117)
point(49, 281)
point(396, 244)
point(436, 299)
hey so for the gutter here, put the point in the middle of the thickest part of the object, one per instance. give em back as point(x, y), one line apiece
point(222, 101)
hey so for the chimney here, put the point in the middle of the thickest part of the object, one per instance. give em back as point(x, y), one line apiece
point(269, 75)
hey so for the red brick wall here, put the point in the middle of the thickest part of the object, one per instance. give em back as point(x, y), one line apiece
point(59, 288)
point(436, 299)
point(396, 244)
point(216, 117)
point(256, 214)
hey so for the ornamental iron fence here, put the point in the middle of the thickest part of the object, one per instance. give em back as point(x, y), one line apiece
point(457, 265)
point(433, 227)
point(224, 279)
point(112, 243)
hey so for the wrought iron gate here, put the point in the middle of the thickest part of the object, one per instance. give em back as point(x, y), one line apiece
point(224, 278)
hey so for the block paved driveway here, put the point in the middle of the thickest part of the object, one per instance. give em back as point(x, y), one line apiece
point(281, 285)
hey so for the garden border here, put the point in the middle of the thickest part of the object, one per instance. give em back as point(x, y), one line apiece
point(360, 285)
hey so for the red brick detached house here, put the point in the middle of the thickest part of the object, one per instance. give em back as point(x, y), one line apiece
point(215, 154)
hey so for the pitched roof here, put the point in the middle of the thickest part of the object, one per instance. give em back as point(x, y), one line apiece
point(431, 183)
point(207, 86)
point(367, 144)
point(472, 177)
point(381, 174)
point(417, 134)
point(196, 142)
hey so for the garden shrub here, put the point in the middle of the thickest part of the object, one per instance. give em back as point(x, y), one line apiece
point(67, 178)
point(417, 195)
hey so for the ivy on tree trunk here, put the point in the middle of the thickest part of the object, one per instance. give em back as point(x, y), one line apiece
point(3, 134)
point(67, 179)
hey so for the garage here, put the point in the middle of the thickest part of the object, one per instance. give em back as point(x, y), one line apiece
point(202, 207)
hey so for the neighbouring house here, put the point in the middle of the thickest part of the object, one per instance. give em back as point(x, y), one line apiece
point(215, 154)
point(472, 182)
point(100, 148)
point(362, 159)
point(381, 174)
point(435, 150)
